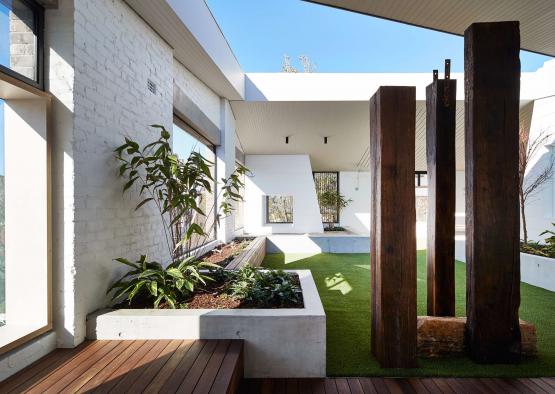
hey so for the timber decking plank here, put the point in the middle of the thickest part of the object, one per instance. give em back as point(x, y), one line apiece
point(212, 368)
point(40, 368)
point(417, 386)
point(430, 386)
point(291, 386)
point(152, 367)
point(367, 386)
point(342, 386)
point(43, 384)
point(169, 367)
point(330, 386)
point(90, 372)
point(192, 377)
point(380, 386)
point(58, 385)
point(355, 386)
point(533, 386)
point(231, 371)
point(543, 385)
point(443, 386)
point(175, 380)
point(119, 373)
point(105, 372)
point(140, 368)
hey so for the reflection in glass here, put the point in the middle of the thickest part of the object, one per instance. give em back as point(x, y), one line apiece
point(279, 209)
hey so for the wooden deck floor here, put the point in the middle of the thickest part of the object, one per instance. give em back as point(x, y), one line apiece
point(395, 386)
point(213, 366)
point(183, 366)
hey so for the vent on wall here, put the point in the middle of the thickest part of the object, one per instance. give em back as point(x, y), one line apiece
point(151, 86)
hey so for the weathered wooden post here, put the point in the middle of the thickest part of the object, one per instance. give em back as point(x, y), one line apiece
point(393, 226)
point(492, 87)
point(441, 96)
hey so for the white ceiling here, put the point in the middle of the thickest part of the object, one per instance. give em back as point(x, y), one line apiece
point(537, 17)
point(263, 126)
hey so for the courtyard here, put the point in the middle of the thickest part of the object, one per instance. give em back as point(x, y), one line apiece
point(343, 281)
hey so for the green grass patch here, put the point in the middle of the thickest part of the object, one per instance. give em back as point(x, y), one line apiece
point(343, 281)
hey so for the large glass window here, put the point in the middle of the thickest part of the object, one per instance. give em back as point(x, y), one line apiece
point(279, 209)
point(327, 190)
point(184, 141)
point(21, 39)
point(24, 226)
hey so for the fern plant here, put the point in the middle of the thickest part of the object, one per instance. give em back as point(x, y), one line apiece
point(175, 187)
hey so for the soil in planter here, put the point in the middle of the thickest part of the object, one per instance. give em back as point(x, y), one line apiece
point(213, 297)
point(224, 254)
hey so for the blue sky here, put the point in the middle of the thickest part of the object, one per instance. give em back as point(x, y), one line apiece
point(260, 32)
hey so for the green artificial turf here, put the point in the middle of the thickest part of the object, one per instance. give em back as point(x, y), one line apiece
point(343, 281)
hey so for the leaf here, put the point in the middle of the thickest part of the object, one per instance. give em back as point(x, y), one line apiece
point(126, 262)
point(174, 272)
point(130, 183)
point(143, 202)
point(153, 288)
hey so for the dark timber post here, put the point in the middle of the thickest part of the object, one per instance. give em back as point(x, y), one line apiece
point(492, 87)
point(393, 226)
point(440, 150)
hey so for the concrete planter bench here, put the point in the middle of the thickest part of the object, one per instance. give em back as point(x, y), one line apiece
point(279, 343)
point(253, 254)
point(538, 271)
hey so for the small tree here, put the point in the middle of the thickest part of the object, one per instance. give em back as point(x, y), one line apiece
point(175, 187)
point(528, 186)
point(333, 200)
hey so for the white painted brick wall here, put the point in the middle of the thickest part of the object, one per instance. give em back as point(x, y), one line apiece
point(115, 54)
point(99, 56)
point(60, 81)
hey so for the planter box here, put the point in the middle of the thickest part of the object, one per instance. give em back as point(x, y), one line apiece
point(538, 271)
point(253, 254)
point(279, 343)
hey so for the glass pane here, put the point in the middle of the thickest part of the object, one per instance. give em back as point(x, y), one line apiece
point(18, 40)
point(183, 143)
point(2, 222)
point(280, 209)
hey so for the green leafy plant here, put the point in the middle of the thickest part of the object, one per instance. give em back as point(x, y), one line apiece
point(151, 281)
point(546, 249)
point(333, 200)
point(264, 287)
point(175, 187)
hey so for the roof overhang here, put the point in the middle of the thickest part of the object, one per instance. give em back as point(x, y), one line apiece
point(197, 41)
point(537, 32)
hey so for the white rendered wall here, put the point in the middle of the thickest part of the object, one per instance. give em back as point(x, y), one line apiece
point(284, 175)
point(540, 209)
point(225, 165)
point(355, 185)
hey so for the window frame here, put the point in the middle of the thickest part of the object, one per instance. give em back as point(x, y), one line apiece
point(338, 210)
point(38, 29)
point(268, 209)
point(186, 127)
point(25, 90)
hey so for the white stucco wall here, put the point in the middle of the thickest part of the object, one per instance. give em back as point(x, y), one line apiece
point(284, 175)
point(355, 185)
point(540, 208)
